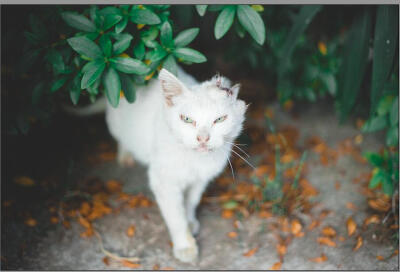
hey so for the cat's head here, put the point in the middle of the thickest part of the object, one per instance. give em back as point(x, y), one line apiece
point(205, 117)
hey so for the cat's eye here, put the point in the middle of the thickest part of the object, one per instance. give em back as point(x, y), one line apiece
point(186, 119)
point(220, 119)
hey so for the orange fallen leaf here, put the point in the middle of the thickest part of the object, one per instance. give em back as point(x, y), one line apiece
point(351, 206)
point(84, 209)
point(373, 219)
point(351, 226)
point(320, 259)
point(380, 258)
point(106, 261)
point(281, 249)
point(66, 224)
point(341, 238)
point(227, 214)
point(337, 185)
point(264, 214)
point(88, 233)
point(232, 234)
point(114, 186)
point(130, 264)
point(296, 227)
point(379, 204)
point(24, 181)
point(359, 123)
point(299, 234)
point(396, 252)
point(358, 244)
point(313, 225)
point(54, 219)
point(167, 268)
point(30, 222)
point(251, 252)
point(261, 170)
point(84, 222)
point(276, 266)
point(358, 139)
point(326, 241)
point(156, 267)
point(131, 231)
point(329, 231)
point(394, 226)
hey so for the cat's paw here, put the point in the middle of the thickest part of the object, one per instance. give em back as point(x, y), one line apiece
point(126, 160)
point(194, 227)
point(188, 254)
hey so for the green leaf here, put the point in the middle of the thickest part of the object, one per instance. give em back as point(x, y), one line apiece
point(201, 9)
point(354, 63)
point(376, 179)
point(392, 136)
point(85, 47)
point(122, 43)
point(78, 21)
point(374, 158)
point(374, 124)
point(149, 35)
point(75, 91)
point(106, 45)
point(252, 22)
point(387, 185)
point(139, 50)
point(230, 205)
point(394, 113)
point(156, 54)
point(56, 60)
point(166, 35)
point(188, 54)
point(329, 81)
point(92, 74)
point(186, 36)
point(385, 105)
point(224, 21)
point(144, 16)
point(170, 65)
point(110, 10)
point(128, 88)
point(385, 41)
point(58, 83)
point(112, 86)
point(121, 25)
point(129, 66)
point(111, 20)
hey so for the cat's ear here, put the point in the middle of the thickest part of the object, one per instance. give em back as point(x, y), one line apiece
point(170, 85)
point(234, 90)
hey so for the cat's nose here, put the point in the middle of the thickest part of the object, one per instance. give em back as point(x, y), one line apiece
point(203, 138)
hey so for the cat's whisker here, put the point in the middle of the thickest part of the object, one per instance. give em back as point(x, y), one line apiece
point(243, 159)
point(230, 164)
point(235, 145)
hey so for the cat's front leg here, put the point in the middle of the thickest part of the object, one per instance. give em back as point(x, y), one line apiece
point(170, 200)
point(125, 157)
point(193, 198)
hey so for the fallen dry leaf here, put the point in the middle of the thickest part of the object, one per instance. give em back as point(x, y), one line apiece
point(320, 259)
point(130, 264)
point(296, 227)
point(380, 258)
point(326, 241)
point(341, 238)
point(232, 234)
point(337, 185)
point(396, 252)
point(299, 234)
point(351, 206)
point(106, 261)
point(314, 224)
point(276, 266)
point(379, 204)
point(394, 226)
point(329, 231)
point(227, 214)
point(358, 244)
point(88, 233)
point(54, 219)
point(156, 267)
point(264, 214)
point(358, 139)
point(131, 231)
point(251, 252)
point(114, 186)
point(281, 249)
point(66, 224)
point(351, 226)
point(30, 222)
point(84, 222)
point(167, 268)
point(84, 209)
point(373, 219)
point(24, 181)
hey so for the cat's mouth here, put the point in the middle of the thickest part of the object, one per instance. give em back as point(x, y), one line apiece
point(203, 148)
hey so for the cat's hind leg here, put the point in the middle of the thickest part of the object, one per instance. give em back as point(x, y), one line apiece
point(125, 157)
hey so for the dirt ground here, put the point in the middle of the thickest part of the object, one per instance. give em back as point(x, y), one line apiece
point(54, 247)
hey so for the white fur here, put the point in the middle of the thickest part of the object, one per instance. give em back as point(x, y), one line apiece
point(179, 170)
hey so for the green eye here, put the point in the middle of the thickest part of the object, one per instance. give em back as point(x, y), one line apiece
point(220, 119)
point(186, 119)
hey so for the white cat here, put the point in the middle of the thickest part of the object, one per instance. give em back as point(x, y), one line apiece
point(183, 131)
